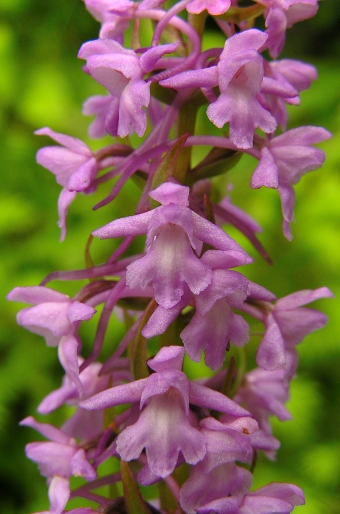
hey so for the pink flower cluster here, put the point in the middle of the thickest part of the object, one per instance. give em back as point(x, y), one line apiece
point(200, 438)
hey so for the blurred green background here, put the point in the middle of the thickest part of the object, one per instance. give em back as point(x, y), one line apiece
point(41, 84)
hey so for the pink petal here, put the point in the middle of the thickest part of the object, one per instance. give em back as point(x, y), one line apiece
point(72, 143)
point(36, 295)
point(59, 493)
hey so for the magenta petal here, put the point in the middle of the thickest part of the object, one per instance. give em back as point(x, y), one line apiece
point(119, 395)
point(56, 398)
point(276, 21)
point(239, 331)
point(162, 318)
point(215, 236)
point(169, 192)
point(150, 4)
point(79, 311)
point(164, 430)
point(238, 106)
point(214, 7)
point(219, 259)
point(59, 493)
point(169, 266)
point(266, 173)
point(80, 466)
point(273, 497)
point(83, 176)
point(260, 440)
point(287, 195)
point(207, 77)
point(260, 293)
point(131, 225)
point(62, 162)
point(105, 108)
point(132, 117)
point(264, 505)
point(301, 10)
point(209, 332)
point(102, 47)
point(52, 458)
point(224, 445)
point(36, 295)
point(168, 358)
point(166, 381)
point(149, 59)
point(302, 136)
point(228, 505)
point(212, 333)
point(299, 298)
point(72, 143)
point(205, 397)
point(295, 325)
point(104, 70)
point(224, 284)
point(225, 481)
point(47, 319)
point(278, 87)
point(271, 352)
point(289, 492)
point(68, 357)
point(64, 201)
point(240, 44)
point(297, 73)
point(49, 431)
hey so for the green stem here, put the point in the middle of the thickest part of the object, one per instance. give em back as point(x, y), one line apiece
point(186, 125)
point(188, 112)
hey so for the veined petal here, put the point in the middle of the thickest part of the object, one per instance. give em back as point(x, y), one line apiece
point(48, 315)
point(36, 295)
point(74, 144)
point(205, 397)
point(132, 117)
point(80, 466)
point(299, 298)
point(214, 235)
point(169, 192)
point(164, 431)
point(119, 395)
point(129, 226)
point(79, 311)
point(169, 264)
point(64, 201)
point(271, 352)
point(102, 47)
point(58, 493)
point(206, 77)
point(214, 7)
point(241, 109)
point(149, 59)
point(266, 173)
point(68, 357)
point(52, 458)
point(49, 431)
point(62, 162)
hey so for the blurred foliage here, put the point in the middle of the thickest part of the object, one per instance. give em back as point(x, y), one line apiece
point(41, 83)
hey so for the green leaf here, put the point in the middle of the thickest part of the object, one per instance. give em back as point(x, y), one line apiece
point(138, 356)
point(133, 499)
point(238, 14)
point(217, 162)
